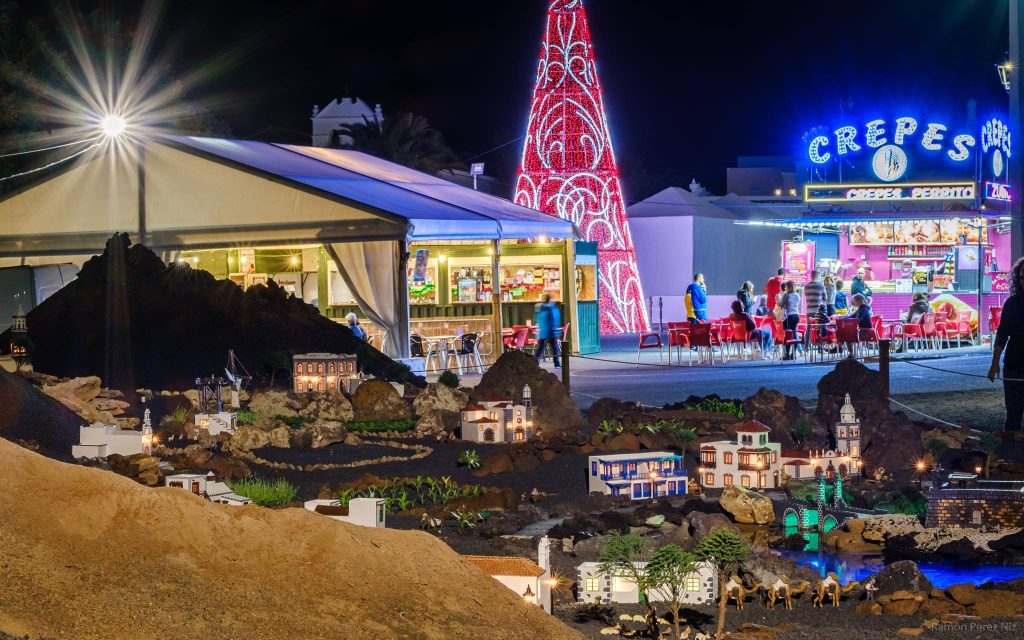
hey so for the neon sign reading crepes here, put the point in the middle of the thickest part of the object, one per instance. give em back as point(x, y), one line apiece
point(894, 137)
point(889, 192)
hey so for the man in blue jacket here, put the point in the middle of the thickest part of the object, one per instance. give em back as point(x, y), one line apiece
point(549, 329)
point(696, 300)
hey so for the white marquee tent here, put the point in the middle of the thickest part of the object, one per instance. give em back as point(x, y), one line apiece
point(174, 193)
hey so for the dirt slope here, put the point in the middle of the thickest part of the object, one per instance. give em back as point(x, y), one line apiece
point(28, 414)
point(87, 554)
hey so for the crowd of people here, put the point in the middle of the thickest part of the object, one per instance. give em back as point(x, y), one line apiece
point(823, 300)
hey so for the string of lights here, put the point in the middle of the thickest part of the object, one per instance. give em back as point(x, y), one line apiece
point(52, 164)
point(56, 146)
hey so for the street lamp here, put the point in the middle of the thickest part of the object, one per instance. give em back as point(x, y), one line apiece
point(1004, 71)
point(113, 125)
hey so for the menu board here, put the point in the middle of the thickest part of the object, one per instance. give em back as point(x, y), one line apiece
point(917, 232)
point(871, 233)
point(798, 260)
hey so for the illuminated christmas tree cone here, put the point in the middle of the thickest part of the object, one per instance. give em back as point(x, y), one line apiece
point(568, 167)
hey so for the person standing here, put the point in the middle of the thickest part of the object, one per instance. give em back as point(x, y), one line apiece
point(841, 302)
point(549, 329)
point(789, 302)
point(696, 300)
point(1010, 339)
point(773, 288)
point(746, 296)
point(859, 285)
point(830, 296)
point(814, 295)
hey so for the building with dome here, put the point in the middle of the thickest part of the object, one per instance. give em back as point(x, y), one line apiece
point(844, 461)
point(337, 113)
point(496, 419)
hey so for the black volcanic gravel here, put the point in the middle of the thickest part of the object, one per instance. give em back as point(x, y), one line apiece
point(334, 454)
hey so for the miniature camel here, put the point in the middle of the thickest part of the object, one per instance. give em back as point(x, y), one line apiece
point(735, 588)
point(786, 589)
point(831, 587)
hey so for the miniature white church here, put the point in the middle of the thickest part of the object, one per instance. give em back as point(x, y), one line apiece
point(844, 460)
point(494, 419)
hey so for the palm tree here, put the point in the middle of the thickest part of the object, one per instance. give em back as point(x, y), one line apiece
point(406, 139)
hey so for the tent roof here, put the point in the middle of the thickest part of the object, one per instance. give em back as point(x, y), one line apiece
point(193, 192)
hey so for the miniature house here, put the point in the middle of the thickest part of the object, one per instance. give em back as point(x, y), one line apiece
point(215, 423)
point(324, 371)
point(650, 474)
point(530, 581)
point(699, 587)
point(844, 460)
point(365, 512)
point(751, 461)
point(207, 487)
point(101, 440)
point(496, 419)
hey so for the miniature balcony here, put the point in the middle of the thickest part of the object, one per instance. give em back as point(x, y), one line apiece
point(664, 473)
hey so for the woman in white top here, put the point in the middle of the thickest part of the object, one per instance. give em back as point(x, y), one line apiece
point(790, 305)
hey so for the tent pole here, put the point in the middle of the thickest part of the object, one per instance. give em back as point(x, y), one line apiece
point(402, 349)
point(496, 298)
point(142, 194)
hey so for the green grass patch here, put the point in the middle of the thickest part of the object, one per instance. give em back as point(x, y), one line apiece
point(248, 417)
point(295, 422)
point(266, 493)
point(373, 426)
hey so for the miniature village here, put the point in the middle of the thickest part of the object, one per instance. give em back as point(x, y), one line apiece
point(826, 514)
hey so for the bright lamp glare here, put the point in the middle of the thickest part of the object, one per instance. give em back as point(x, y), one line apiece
point(113, 126)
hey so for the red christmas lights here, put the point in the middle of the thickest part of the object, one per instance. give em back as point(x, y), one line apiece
point(568, 168)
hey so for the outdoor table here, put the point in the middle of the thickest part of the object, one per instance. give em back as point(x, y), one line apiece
point(672, 340)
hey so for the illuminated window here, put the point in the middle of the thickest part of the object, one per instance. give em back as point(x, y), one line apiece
point(709, 478)
point(319, 367)
point(298, 368)
point(707, 457)
point(330, 368)
point(727, 480)
point(727, 457)
point(774, 458)
point(745, 480)
point(309, 367)
point(693, 584)
point(592, 584)
point(621, 583)
point(299, 387)
point(319, 385)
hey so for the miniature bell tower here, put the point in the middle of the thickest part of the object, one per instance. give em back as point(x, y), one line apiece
point(147, 434)
point(19, 338)
point(847, 431)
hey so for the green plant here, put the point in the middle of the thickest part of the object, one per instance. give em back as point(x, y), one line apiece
point(248, 417)
point(294, 422)
point(911, 506)
point(465, 519)
point(725, 550)
point(449, 379)
point(803, 430)
point(715, 405)
point(989, 443)
point(402, 501)
point(266, 493)
point(373, 426)
point(669, 570)
point(626, 555)
point(180, 415)
point(686, 434)
point(607, 426)
point(469, 458)
point(936, 447)
point(346, 496)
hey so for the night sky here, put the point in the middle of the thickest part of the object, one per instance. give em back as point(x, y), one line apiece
point(688, 85)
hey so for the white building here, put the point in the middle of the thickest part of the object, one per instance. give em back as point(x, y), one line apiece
point(530, 581)
point(101, 440)
point(324, 371)
point(700, 587)
point(497, 419)
point(751, 461)
point(365, 512)
point(215, 423)
point(650, 474)
point(844, 460)
point(206, 486)
point(347, 111)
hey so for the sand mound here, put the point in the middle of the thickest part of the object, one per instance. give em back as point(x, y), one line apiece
point(87, 554)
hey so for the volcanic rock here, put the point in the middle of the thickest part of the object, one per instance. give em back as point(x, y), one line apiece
point(553, 409)
point(378, 400)
point(965, 594)
point(704, 523)
point(901, 576)
point(747, 506)
point(247, 438)
point(328, 405)
point(497, 462)
point(273, 403)
point(438, 408)
point(280, 437)
point(780, 413)
point(29, 415)
point(997, 603)
point(325, 433)
point(138, 323)
point(623, 442)
point(879, 528)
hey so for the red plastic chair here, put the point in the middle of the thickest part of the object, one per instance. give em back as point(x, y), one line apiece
point(740, 338)
point(930, 329)
point(700, 338)
point(995, 315)
point(912, 331)
point(649, 341)
point(518, 340)
point(848, 333)
point(679, 338)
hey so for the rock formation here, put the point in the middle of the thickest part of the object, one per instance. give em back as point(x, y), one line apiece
point(30, 416)
point(136, 322)
point(378, 400)
point(747, 506)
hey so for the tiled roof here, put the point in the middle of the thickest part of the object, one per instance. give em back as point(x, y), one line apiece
point(752, 426)
point(707, 447)
point(798, 462)
point(506, 566)
point(474, 407)
point(482, 421)
point(795, 453)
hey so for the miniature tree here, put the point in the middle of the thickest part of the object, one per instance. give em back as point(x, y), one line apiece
point(668, 571)
point(625, 555)
point(802, 431)
point(725, 549)
point(449, 379)
point(989, 443)
point(936, 447)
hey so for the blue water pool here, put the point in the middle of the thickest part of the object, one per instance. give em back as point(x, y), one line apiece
point(941, 574)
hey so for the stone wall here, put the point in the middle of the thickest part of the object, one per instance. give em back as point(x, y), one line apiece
point(956, 507)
